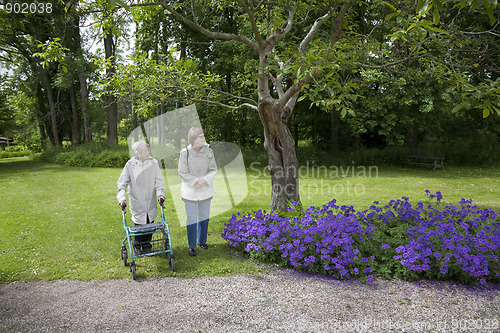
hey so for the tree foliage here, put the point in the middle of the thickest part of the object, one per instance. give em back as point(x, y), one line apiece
point(338, 74)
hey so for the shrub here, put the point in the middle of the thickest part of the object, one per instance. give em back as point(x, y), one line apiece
point(459, 242)
point(15, 153)
point(90, 154)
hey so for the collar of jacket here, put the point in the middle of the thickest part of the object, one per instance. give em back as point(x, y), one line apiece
point(205, 145)
point(137, 161)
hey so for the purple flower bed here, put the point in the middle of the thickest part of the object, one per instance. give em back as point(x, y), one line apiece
point(455, 242)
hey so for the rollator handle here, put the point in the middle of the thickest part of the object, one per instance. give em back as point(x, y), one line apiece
point(123, 206)
point(161, 202)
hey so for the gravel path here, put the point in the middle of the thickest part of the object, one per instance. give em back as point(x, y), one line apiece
point(277, 301)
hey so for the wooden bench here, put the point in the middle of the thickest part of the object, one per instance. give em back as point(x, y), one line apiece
point(435, 162)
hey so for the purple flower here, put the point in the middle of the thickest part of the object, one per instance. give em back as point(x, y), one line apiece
point(458, 237)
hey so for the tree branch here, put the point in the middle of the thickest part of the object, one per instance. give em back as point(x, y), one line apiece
point(253, 24)
point(278, 34)
point(312, 32)
point(392, 64)
point(338, 22)
point(208, 33)
point(232, 107)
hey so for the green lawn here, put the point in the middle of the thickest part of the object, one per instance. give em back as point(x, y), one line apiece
point(59, 222)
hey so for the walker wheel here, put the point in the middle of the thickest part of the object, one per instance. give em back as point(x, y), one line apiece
point(171, 262)
point(124, 255)
point(132, 269)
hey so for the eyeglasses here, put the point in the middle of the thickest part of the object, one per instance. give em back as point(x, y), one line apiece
point(201, 136)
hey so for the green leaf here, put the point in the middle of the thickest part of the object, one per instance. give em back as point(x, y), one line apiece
point(423, 6)
point(413, 25)
point(123, 4)
point(489, 10)
point(435, 16)
point(391, 15)
point(389, 5)
point(473, 5)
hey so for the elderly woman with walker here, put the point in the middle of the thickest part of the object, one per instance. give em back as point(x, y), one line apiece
point(197, 169)
point(143, 178)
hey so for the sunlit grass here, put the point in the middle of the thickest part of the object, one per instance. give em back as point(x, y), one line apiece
point(59, 222)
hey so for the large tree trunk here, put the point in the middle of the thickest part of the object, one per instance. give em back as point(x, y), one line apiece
point(84, 93)
point(111, 105)
point(283, 164)
point(40, 116)
point(412, 137)
point(74, 113)
point(82, 79)
point(52, 108)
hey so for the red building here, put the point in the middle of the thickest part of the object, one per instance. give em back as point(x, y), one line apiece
point(5, 142)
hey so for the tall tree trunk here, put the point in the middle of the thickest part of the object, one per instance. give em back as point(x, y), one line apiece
point(52, 109)
point(40, 116)
point(82, 79)
point(283, 164)
point(278, 140)
point(412, 138)
point(84, 94)
point(111, 105)
point(74, 114)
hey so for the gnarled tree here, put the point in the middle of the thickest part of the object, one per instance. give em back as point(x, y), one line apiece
point(278, 89)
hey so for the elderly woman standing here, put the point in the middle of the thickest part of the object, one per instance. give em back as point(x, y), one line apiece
point(197, 169)
point(142, 176)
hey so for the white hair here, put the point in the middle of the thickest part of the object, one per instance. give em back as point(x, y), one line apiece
point(139, 146)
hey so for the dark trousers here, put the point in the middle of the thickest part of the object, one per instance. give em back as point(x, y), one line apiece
point(143, 243)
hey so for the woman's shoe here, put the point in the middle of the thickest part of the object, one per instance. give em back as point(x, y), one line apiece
point(204, 247)
point(192, 252)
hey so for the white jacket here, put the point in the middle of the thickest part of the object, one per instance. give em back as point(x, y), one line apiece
point(199, 165)
point(145, 183)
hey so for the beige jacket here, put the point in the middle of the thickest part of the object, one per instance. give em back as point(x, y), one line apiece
point(145, 183)
point(199, 165)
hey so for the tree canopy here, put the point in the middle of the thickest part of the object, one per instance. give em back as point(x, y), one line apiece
point(339, 74)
